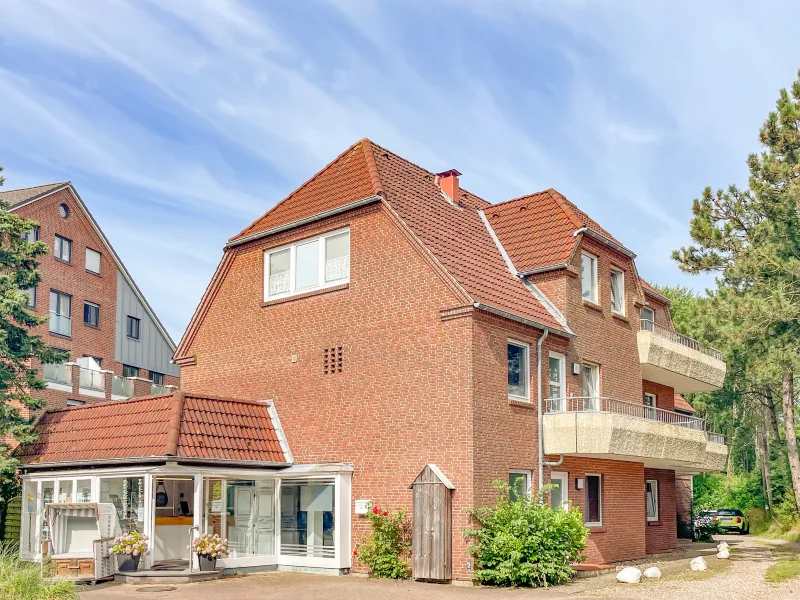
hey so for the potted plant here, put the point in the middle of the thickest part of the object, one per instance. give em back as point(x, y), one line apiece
point(209, 548)
point(131, 547)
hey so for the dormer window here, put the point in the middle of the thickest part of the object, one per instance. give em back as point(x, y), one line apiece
point(308, 265)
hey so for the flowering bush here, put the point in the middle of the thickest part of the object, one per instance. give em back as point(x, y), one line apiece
point(209, 545)
point(132, 544)
point(385, 550)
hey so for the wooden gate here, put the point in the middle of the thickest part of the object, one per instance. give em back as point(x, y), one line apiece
point(432, 533)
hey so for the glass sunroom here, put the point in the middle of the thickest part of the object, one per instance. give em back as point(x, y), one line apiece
point(245, 487)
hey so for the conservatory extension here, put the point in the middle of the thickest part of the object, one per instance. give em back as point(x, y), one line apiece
point(177, 466)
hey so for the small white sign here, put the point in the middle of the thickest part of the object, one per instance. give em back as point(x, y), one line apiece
point(216, 506)
point(362, 507)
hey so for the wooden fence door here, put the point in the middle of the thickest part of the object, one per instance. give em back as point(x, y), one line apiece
point(11, 520)
point(432, 529)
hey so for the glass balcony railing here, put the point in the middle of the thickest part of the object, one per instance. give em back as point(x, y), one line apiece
point(60, 324)
point(122, 386)
point(158, 390)
point(92, 380)
point(61, 374)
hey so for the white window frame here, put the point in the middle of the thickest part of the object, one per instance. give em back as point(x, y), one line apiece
point(562, 374)
point(652, 318)
point(99, 259)
point(649, 410)
point(654, 483)
point(594, 291)
point(598, 523)
point(321, 283)
point(621, 274)
point(528, 478)
point(527, 349)
point(563, 478)
point(60, 243)
point(591, 402)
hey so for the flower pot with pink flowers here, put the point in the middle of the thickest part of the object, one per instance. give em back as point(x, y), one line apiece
point(129, 549)
point(209, 548)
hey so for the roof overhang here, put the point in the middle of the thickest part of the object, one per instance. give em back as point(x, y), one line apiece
point(538, 270)
point(656, 295)
point(152, 460)
point(304, 221)
point(607, 241)
point(511, 316)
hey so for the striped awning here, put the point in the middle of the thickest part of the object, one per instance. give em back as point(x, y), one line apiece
point(71, 509)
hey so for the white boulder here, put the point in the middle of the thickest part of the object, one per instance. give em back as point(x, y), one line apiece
point(629, 575)
point(652, 573)
point(724, 553)
point(722, 545)
point(699, 564)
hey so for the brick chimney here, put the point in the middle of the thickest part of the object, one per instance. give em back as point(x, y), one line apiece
point(448, 181)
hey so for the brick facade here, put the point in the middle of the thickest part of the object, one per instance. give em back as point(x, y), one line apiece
point(83, 286)
point(662, 534)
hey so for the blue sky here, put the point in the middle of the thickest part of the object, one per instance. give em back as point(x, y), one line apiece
point(181, 121)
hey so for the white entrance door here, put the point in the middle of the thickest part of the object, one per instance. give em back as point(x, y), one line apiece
point(264, 518)
point(242, 508)
point(558, 495)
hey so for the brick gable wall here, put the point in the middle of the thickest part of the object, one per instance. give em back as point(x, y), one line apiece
point(403, 398)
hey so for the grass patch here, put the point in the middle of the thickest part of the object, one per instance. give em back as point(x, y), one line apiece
point(783, 569)
point(23, 580)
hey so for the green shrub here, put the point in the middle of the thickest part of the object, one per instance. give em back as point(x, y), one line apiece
point(385, 550)
point(23, 580)
point(703, 532)
point(525, 542)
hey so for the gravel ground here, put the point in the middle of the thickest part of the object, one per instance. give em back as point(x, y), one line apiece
point(740, 578)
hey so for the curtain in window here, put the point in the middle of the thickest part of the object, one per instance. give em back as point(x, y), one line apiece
point(652, 500)
point(555, 382)
point(588, 277)
point(279, 272)
point(591, 388)
point(617, 293)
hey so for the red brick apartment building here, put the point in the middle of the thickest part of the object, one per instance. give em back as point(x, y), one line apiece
point(396, 320)
point(117, 347)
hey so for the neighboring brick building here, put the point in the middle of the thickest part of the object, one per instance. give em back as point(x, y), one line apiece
point(117, 346)
point(397, 320)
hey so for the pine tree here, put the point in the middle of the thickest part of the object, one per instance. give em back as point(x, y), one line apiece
point(751, 238)
point(19, 349)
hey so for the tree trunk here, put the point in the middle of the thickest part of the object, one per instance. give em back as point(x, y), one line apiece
point(762, 455)
point(773, 417)
point(791, 438)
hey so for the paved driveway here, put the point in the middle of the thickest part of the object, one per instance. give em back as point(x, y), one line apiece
point(741, 578)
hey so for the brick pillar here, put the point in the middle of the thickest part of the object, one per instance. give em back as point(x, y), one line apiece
point(76, 379)
point(141, 386)
point(109, 381)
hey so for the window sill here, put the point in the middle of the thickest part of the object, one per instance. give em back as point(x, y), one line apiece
point(593, 305)
point(333, 288)
point(92, 326)
point(62, 261)
point(92, 273)
point(596, 528)
point(520, 402)
point(620, 316)
point(132, 339)
point(61, 335)
point(654, 523)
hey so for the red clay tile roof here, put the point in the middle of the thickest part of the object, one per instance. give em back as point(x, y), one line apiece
point(682, 405)
point(652, 290)
point(178, 425)
point(347, 178)
point(455, 235)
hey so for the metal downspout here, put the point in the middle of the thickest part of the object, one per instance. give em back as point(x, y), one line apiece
point(540, 414)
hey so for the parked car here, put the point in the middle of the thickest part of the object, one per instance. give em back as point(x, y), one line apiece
point(704, 517)
point(731, 519)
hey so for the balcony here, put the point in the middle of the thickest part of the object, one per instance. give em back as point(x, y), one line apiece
point(678, 361)
point(92, 383)
point(618, 430)
point(121, 388)
point(58, 377)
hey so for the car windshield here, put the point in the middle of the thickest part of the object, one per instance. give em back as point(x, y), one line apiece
point(729, 513)
point(706, 513)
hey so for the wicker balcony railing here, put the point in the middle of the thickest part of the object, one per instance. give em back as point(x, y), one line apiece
point(601, 404)
point(684, 340)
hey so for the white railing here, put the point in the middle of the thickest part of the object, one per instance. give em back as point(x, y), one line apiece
point(92, 380)
point(57, 373)
point(60, 324)
point(621, 407)
point(684, 340)
point(122, 386)
point(716, 438)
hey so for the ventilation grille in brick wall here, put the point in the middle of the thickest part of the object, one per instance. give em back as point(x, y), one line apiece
point(332, 360)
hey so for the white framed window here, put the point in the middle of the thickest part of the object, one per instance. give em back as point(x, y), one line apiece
point(518, 367)
point(60, 313)
point(93, 261)
point(520, 483)
point(650, 402)
point(594, 500)
point(589, 277)
point(591, 386)
point(558, 378)
point(648, 318)
point(651, 486)
point(311, 264)
point(617, 291)
point(559, 495)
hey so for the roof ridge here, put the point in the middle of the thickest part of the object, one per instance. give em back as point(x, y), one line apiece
point(372, 166)
point(302, 186)
point(564, 204)
point(30, 187)
point(72, 409)
point(174, 426)
point(523, 197)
